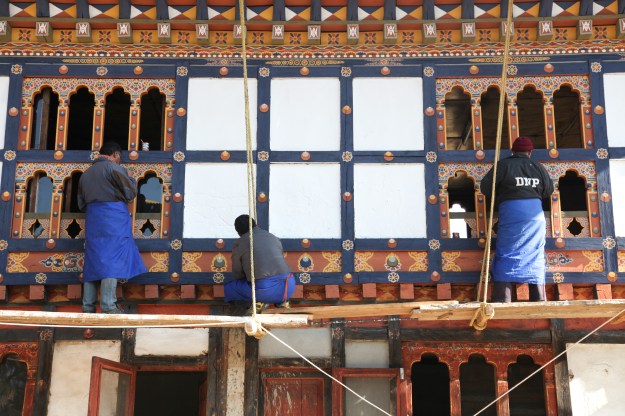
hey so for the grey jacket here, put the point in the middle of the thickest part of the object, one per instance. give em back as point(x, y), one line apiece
point(268, 257)
point(105, 181)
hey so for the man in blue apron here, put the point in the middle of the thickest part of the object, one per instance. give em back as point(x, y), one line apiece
point(104, 191)
point(520, 249)
point(274, 281)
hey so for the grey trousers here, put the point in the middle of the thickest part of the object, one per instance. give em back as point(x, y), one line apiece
point(502, 292)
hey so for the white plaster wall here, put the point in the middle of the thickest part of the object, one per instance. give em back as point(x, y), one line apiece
point(388, 113)
point(305, 114)
point(216, 114)
point(71, 374)
point(366, 354)
point(4, 99)
point(389, 200)
point(236, 372)
point(617, 179)
point(597, 383)
point(215, 194)
point(172, 341)
point(614, 90)
point(305, 200)
point(311, 343)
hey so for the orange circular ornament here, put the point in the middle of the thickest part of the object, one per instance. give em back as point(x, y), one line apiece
point(305, 156)
point(262, 197)
point(6, 196)
point(50, 244)
point(347, 196)
point(223, 71)
point(63, 69)
point(58, 155)
point(392, 243)
point(549, 68)
point(553, 153)
point(220, 243)
point(304, 71)
point(177, 197)
point(388, 156)
point(435, 276)
point(134, 155)
point(598, 110)
point(474, 69)
point(305, 243)
point(346, 110)
point(560, 243)
point(138, 70)
point(181, 112)
point(13, 111)
point(480, 155)
point(263, 108)
point(429, 111)
point(225, 155)
point(385, 70)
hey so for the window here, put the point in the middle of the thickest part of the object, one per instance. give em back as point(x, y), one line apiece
point(531, 116)
point(573, 205)
point(149, 205)
point(458, 120)
point(462, 221)
point(529, 397)
point(489, 102)
point(430, 387)
point(117, 117)
point(152, 119)
point(80, 123)
point(44, 118)
point(379, 386)
point(112, 388)
point(38, 203)
point(72, 219)
point(477, 386)
point(567, 118)
point(13, 376)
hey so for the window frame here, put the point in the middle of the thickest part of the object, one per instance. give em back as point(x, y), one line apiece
point(338, 399)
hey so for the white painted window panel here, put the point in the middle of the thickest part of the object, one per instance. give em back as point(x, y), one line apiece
point(187, 342)
point(614, 90)
point(388, 113)
point(617, 178)
point(216, 114)
point(305, 114)
point(597, 379)
point(4, 99)
point(305, 200)
point(310, 342)
point(366, 354)
point(389, 200)
point(215, 194)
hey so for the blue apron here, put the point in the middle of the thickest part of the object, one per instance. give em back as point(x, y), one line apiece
point(272, 289)
point(520, 250)
point(110, 250)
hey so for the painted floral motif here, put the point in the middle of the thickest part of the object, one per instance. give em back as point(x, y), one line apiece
point(263, 156)
point(128, 333)
point(15, 263)
point(558, 277)
point(333, 38)
point(218, 278)
point(41, 278)
point(184, 37)
point(104, 36)
point(513, 70)
point(444, 36)
point(421, 261)
point(554, 260)
point(9, 155)
point(182, 71)
point(221, 38)
point(595, 261)
point(370, 38)
point(179, 156)
point(304, 278)
point(348, 245)
point(392, 263)
point(522, 34)
point(16, 69)
point(176, 244)
point(407, 37)
point(94, 155)
point(24, 35)
point(393, 277)
point(428, 71)
point(602, 153)
point(434, 244)
point(263, 72)
point(484, 35)
point(4, 244)
point(189, 260)
point(258, 38)
point(431, 157)
point(295, 38)
point(66, 36)
point(601, 32)
point(361, 259)
point(347, 156)
point(449, 261)
point(334, 261)
point(102, 70)
point(609, 243)
point(45, 334)
point(561, 34)
point(346, 71)
point(161, 262)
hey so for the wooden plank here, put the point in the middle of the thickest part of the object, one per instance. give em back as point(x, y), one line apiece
point(337, 329)
point(531, 310)
point(561, 369)
point(374, 309)
point(564, 291)
point(406, 291)
point(443, 291)
point(394, 342)
point(332, 291)
point(117, 321)
point(44, 372)
point(252, 377)
point(522, 292)
point(369, 291)
point(603, 291)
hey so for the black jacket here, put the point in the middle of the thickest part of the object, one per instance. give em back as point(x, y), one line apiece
point(268, 257)
point(105, 181)
point(518, 177)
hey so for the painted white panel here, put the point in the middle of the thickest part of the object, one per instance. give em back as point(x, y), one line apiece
point(305, 114)
point(366, 354)
point(614, 90)
point(4, 99)
point(305, 200)
point(389, 200)
point(388, 114)
point(216, 114)
point(597, 374)
point(236, 373)
point(617, 179)
point(215, 194)
point(311, 343)
point(71, 374)
point(172, 341)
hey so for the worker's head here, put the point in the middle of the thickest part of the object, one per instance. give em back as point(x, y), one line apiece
point(112, 151)
point(242, 224)
point(523, 145)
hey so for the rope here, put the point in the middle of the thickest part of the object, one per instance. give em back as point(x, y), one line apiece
point(251, 187)
point(325, 373)
point(549, 362)
point(480, 313)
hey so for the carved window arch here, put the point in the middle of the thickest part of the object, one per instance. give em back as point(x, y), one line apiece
point(529, 397)
point(530, 106)
point(72, 219)
point(117, 117)
point(152, 120)
point(461, 195)
point(458, 120)
point(13, 380)
point(489, 103)
point(149, 206)
point(44, 119)
point(477, 386)
point(573, 204)
point(567, 114)
point(37, 206)
point(80, 123)
point(430, 387)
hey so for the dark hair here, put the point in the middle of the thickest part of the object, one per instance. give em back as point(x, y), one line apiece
point(242, 224)
point(109, 148)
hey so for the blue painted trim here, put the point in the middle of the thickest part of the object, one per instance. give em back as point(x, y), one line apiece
point(35, 69)
point(263, 130)
point(617, 152)
point(84, 156)
point(289, 244)
point(347, 176)
point(525, 69)
point(68, 244)
point(406, 70)
point(331, 71)
point(537, 154)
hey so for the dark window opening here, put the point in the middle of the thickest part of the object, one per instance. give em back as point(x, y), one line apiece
point(458, 120)
point(477, 386)
point(117, 117)
point(529, 398)
point(567, 118)
point(150, 197)
point(39, 194)
point(461, 193)
point(430, 387)
point(170, 393)
point(572, 192)
point(152, 120)
point(72, 221)
point(73, 229)
point(43, 129)
point(70, 193)
point(80, 123)
point(489, 102)
point(148, 229)
point(531, 115)
point(13, 377)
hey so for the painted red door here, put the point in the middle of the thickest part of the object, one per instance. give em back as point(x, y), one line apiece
point(293, 397)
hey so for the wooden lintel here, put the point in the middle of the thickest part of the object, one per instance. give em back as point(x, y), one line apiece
point(530, 310)
point(374, 309)
point(17, 317)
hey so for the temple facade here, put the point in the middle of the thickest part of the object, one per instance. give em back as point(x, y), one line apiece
point(373, 123)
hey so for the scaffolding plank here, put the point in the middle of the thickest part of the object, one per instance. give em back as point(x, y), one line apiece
point(360, 310)
point(72, 319)
point(530, 310)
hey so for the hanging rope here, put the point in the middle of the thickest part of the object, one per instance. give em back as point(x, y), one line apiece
point(484, 312)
